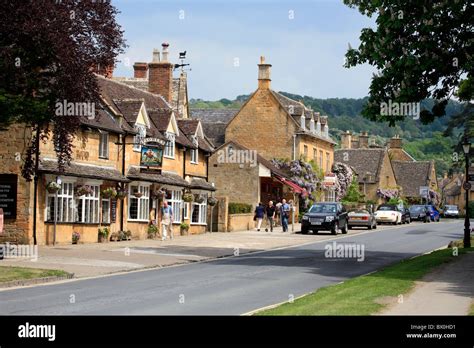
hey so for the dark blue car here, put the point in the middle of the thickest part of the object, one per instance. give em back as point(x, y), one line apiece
point(434, 213)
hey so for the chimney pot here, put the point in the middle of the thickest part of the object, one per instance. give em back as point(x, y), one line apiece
point(140, 70)
point(264, 74)
point(165, 52)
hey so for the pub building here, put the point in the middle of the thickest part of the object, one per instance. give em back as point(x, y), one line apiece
point(137, 151)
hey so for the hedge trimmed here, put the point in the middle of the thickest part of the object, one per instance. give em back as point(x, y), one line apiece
point(239, 208)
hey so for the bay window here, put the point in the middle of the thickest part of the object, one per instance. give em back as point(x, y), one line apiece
point(88, 206)
point(66, 204)
point(174, 200)
point(199, 213)
point(138, 207)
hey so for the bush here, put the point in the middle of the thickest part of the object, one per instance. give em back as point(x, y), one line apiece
point(471, 209)
point(239, 208)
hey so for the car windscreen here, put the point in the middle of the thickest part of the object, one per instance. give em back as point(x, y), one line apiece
point(360, 211)
point(452, 207)
point(386, 207)
point(323, 208)
point(418, 208)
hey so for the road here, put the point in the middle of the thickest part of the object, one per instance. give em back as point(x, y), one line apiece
point(233, 285)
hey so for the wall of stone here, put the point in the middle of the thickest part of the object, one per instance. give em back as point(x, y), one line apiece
point(240, 222)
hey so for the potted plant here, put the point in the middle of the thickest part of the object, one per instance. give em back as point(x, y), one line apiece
point(198, 198)
point(53, 187)
point(137, 194)
point(109, 192)
point(158, 194)
point(212, 201)
point(188, 197)
point(184, 228)
point(75, 237)
point(152, 231)
point(84, 190)
point(128, 235)
point(103, 234)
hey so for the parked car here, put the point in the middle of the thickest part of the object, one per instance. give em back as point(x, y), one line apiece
point(419, 213)
point(325, 216)
point(406, 218)
point(451, 211)
point(434, 213)
point(361, 218)
point(388, 213)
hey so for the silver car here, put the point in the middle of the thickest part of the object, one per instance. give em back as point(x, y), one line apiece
point(361, 218)
point(451, 211)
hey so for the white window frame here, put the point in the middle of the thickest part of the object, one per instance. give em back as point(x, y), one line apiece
point(169, 149)
point(195, 156)
point(186, 209)
point(90, 206)
point(176, 203)
point(137, 139)
point(66, 196)
point(142, 203)
point(103, 145)
point(202, 215)
point(105, 220)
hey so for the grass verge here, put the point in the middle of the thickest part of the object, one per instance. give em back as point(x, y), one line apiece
point(364, 295)
point(8, 274)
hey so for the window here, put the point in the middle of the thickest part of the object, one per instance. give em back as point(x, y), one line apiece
point(174, 200)
point(137, 139)
point(199, 212)
point(138, 207)
point(330, 195)
point(104, 145)
point(88, 206)
point(186, 210)
point(194, 155)
point(106, 211)
point(315, 155)
point(305, 151)
point(321, 159)
point(328, 161)
point(66, 204)
point(169, 146)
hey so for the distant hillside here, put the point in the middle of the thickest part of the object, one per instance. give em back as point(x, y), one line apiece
point(423, 142)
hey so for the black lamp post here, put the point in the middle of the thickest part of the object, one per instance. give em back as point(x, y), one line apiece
point(466, 146)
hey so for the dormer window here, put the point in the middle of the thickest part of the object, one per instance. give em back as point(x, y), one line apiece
point(169, 146)
point(302, 122)
point(137, 139)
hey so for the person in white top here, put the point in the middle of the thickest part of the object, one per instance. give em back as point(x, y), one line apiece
point(166, 219)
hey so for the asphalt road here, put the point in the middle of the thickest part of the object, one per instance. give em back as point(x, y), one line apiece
point(233, 285)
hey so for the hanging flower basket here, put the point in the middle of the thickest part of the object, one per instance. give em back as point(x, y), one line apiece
point(158, 194)
point(109, 192)
point(84, 190)
point(138, 194)
point(120, 194)
point(212, 201)
point(188, 197)
point(53, 187)
point(198, 198)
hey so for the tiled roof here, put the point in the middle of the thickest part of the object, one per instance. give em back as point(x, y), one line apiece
point(48, 165)
point(188, 126)
point(411, 175)
point(213, 115)
point(139, 83)
point(163, 178)
point(199, 183)
point(102, 120)
point(215, 132)
point(363, 161)
point(129, 108)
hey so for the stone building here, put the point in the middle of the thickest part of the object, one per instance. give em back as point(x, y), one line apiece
point(134, 144)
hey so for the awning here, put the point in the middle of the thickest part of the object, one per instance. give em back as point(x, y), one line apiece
point(295, 188)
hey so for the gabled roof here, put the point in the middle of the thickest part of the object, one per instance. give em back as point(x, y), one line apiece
point(129, 108)
point(363, 161)
point(188, 126)
point(411, 175)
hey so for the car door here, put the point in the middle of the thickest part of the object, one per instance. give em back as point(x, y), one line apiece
point(342, 215)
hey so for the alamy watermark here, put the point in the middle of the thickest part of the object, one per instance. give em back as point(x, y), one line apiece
point(400, 109)
point(19, 251)
point(230, 155)
point(65, 108)
point(345, 251)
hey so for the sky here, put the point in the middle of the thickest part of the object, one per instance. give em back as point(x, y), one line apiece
point(304, 40)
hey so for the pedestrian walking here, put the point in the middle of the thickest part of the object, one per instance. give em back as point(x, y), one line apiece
point(285, 214)
point(270, 213)
point(166, 219)
point(278, 214)
point(259, 214)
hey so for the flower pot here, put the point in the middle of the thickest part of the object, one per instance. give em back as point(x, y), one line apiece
point(138, 194)
point(184, 231)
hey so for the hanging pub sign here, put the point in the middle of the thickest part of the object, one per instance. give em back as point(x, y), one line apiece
point(8, 195)
point(151, 156)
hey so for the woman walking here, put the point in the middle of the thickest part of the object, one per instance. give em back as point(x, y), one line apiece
point(259, 213)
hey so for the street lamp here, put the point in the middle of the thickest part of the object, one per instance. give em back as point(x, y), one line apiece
point(466, 146)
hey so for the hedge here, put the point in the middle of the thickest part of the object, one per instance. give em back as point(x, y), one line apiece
point(471, 209)
point(239, 208)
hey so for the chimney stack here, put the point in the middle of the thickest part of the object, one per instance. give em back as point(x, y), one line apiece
point(160, 75)
point(364, 140)
point(396, 142)
point(140, 70)
point(264, 74)
point(346, 140)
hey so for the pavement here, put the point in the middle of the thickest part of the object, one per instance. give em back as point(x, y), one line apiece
point(448, 290)
point(232, 285)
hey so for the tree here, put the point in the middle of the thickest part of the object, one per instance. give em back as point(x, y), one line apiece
point(353, 193)
point(49, 51)
point(422, 49)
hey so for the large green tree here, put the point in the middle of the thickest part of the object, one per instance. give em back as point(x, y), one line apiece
point(421, 49)
point(49, 50)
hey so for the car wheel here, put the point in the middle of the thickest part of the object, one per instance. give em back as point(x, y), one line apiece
point(334, 229)
point(395, 223)
point(304, 231)
point(344, 230)
point(438, 219)
point(369, 227)
point(315, 231)
point(375, 226)
point(349, 227)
